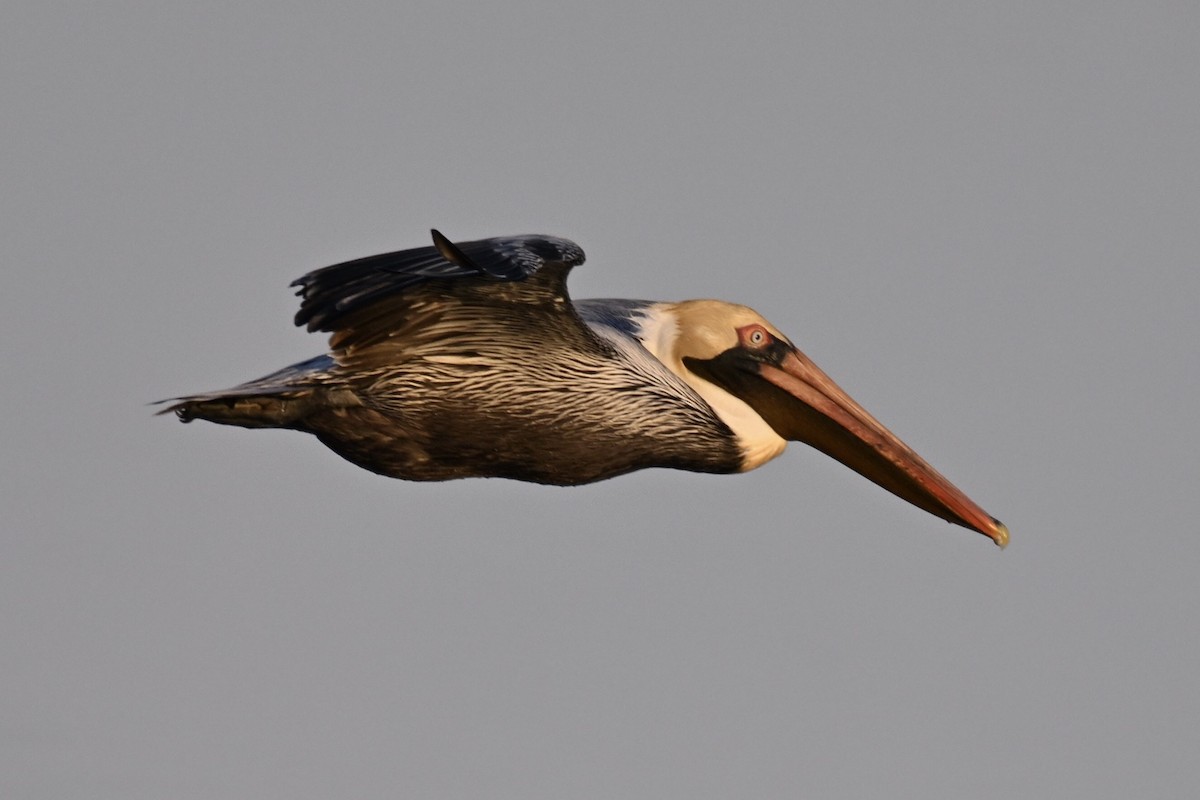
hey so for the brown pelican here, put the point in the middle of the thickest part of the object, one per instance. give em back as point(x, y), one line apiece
point(470, 359)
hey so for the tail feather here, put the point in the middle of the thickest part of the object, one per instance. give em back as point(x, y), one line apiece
point(279, 400)
point(277, 410)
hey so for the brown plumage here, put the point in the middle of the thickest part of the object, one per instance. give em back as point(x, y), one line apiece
point(470, 360)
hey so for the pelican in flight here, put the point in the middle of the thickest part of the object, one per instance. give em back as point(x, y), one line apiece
point(470, 360)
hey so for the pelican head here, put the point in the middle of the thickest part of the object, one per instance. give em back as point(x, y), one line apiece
point(768, 392)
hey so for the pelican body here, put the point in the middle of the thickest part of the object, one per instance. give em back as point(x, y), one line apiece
point(470, 360)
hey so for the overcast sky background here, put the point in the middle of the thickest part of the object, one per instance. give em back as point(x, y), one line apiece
point(981, 219)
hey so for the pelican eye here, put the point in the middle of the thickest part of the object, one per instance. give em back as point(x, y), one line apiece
point(755, 337)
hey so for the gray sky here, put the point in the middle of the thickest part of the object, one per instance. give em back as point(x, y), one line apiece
point(981, 219)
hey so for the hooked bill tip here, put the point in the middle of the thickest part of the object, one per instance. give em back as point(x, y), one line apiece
point(1000, 536)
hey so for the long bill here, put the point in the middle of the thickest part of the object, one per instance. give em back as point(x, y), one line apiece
point(831, 421)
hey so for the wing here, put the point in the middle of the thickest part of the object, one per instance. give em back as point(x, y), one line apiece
point(368, 300)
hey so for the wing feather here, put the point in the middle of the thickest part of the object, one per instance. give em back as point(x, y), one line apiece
point(364, 301)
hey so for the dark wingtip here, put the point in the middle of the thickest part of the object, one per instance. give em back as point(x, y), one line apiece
point(448, 250)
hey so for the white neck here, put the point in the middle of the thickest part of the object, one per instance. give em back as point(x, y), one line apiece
point(758, 441)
